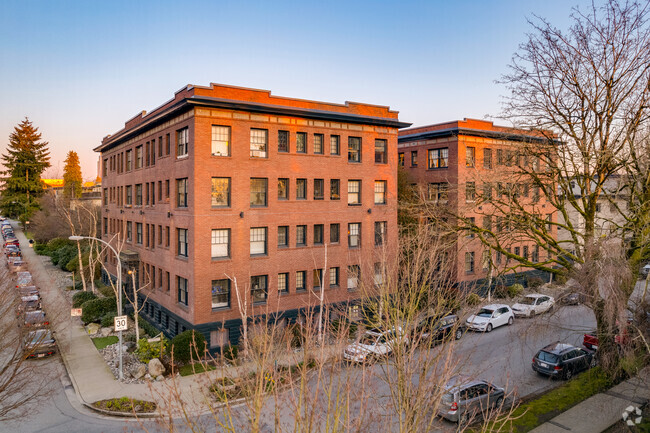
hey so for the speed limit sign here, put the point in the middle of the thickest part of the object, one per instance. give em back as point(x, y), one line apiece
point(120, 323)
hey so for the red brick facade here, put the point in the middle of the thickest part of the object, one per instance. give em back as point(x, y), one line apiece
point(226, 128)
point(495, 149)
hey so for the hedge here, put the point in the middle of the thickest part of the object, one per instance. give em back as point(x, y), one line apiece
point(95, 309)
point(187, 346)
point(79, 298)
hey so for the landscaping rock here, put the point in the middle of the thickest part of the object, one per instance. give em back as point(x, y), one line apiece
point(160, 378)
point(156, 368)
point(139, 372)
point(93, 328)
point(106, 331)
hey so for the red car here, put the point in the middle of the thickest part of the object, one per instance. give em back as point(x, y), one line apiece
point(590, 340)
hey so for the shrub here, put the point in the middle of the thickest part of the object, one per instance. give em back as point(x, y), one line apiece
point(79, 298)
point(230, 352)
point(515, 290)
point(339, 324)
point(560, 279)
point(105, 290)
point(56, 243)
point(473, 299)
point(148, 328)
point(107, 319)
point(535, 282)
point(147, 351)
point(41, 249)
point(500, 291)
point(130, 337)
point(95, 309)
point(188, 345)
point(65, 255)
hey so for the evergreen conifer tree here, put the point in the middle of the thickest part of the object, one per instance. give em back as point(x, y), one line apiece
point(72, 180)
point(26, 157)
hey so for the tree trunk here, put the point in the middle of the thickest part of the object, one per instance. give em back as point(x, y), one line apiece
point(608, 353)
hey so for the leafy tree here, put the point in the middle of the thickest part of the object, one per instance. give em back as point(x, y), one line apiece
point(26, 158)
point(72, 180)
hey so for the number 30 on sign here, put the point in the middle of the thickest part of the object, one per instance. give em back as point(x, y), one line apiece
point(120, 323)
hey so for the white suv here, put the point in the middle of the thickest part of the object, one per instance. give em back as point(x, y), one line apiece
point(373, 344)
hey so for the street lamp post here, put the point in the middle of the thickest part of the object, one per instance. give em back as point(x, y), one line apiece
point(119, 289)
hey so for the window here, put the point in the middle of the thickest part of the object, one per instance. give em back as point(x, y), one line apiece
point(283, 189)
point(317, 279)
point(485, 260)
point(487, 158)
point(400, 159)
point(379, 274)
point(439, 158)
point(258, 241)
point(181, 283)
point(283, 141)
point(182, 142)
point(335, 189)
point(160, 235)
point(221, 140)
point(301, 235)
point(335, 145)
point(105, 196)
point(487, 222)
point(354, 235)
point(259, 289)
point(220, 192)
point(549, 222)
point(138, 194)
point(354, 149)
point(129, 160)
point(138, 157)
point(334, 233)
point(319, 187)
point(219, 337)
point(167, 236)
point(471, 222)
point(354, 275)
point(129, 195)
point(470, 191)
point(414, 158)
point(334, 277)
point(160, 147)
point(168, 144)
point(525, 255)
point(469, 262)
point(380, 232)
point(105, 226)
point(535, 257)
point(380, 192)
point(259, 140)
point(167, 189)
point(517, 251)
point(138, 233)
point(146, 195)
point(498, 257)
point(318, 144)
point(354, 192)
point(301, 189)
point(283, 282)
point(300, 281)
point(221, 293)
point(182, 240)
point(220, 243)
point(487, 191)
point(283, 236)
point(301, 142)
point(147, 154)
point(181, 192)
point(319, 230)
point(470, 156)
point(380, 151)
point(153, 193)
point(500, 157)
point(129, 231)
point(258, 192)
point(437, 191)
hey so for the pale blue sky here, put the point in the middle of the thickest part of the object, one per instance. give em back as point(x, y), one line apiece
point(80, 69)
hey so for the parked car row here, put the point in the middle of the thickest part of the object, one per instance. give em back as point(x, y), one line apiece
point(495, 315)
point(36, 336)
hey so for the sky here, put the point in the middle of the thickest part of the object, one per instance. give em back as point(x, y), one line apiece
point(80, 69)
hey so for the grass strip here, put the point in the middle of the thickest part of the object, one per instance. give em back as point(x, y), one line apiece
point(102, 342)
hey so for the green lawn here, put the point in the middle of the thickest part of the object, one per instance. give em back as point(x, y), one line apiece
point(101, 342)
point(197, 367)
point(535, 412)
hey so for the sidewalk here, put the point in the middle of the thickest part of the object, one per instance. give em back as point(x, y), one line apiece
point(601, 411)
point(87, 369)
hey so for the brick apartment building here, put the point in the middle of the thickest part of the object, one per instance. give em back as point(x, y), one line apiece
point(454, 164)
point(224, 188)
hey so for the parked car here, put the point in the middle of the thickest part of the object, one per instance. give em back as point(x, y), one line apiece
point(645, 271)
point(34, 319)
point(466, 398)
point(30, 302)
point(16, 264)
point(24, 279)
point(8, 242)
point(563, 360)
point(440, 328)
point(373, 344)
point(490, 317)
point(13, 254)
point(571, 298)
point(533, 304)
point(38, 343)
point(28, 290)
point(590, 339)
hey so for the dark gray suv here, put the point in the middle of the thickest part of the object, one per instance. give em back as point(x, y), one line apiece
point(563, 360)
